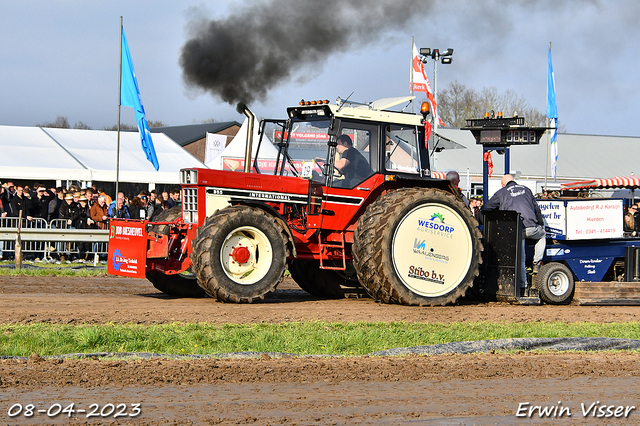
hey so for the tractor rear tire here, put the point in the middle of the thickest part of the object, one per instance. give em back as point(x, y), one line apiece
point(324, 283)
point(239, 254)
point(177, 285)
point(555, 283)
point(417, 246)
point(168, 215)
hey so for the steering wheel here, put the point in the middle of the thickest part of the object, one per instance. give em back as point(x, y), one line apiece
point(336, 171)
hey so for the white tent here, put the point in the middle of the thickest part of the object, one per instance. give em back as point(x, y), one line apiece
point(87, 155)
point(236, 147)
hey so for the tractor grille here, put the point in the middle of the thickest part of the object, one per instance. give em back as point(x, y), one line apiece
point(190, 205)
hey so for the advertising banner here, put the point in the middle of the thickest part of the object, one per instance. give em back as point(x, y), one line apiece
point(265, 166)
point(432, 250)
point(127, 249)
point(591, 219)
point(214, 145)
point(555, 218)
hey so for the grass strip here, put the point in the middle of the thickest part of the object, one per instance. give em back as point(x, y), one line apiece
point(308, 338)
point(48, 270)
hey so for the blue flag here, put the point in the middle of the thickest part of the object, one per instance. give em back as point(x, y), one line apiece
point(130, 96)
point(552, 114)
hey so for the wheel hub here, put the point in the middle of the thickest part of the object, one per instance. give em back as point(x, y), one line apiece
point(558, 283)
point(246, 255)
point(241, 254)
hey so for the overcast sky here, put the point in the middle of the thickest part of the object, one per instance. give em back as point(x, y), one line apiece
point(60, 58)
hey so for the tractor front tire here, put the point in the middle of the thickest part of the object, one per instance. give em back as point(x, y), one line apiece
point(239, 254)
point(555, 283)
point(177, 285)
point(417, 246)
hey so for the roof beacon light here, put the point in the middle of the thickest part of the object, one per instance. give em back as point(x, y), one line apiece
point(425, 108)
point(308, 103)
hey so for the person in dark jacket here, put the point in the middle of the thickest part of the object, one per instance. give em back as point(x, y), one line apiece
point(53, 209)
point(4, 199)
point(475, 204)
point(40, 203)
point(352, 163)
point(69, 210)
point(83, 221)
point(19, 203)
point(520, 198)
point(135, 207)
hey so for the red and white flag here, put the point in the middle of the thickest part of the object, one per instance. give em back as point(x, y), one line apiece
point(421, 82)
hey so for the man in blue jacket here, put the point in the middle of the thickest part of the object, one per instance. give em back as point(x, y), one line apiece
point(520, 198)
point(117, 209)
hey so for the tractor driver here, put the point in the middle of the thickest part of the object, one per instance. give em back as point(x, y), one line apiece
point(352, 164)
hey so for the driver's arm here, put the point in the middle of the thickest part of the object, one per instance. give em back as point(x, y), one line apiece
point(341, 163)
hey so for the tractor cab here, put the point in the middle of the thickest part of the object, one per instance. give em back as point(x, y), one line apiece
point(343, 145)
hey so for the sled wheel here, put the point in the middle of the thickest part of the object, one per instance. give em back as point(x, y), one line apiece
point(178, 285)
point(239, 254)
point(321, 282)
point(555, 283)
point(417, 246)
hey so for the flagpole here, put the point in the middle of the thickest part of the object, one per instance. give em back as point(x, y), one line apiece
point(119, 108)
point(546, 158)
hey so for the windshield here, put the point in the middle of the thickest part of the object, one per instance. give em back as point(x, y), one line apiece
point(307, 146)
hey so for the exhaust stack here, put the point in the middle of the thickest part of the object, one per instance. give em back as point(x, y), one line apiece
point(243, 109)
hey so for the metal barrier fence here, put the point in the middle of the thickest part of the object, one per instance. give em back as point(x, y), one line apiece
point(42, 238)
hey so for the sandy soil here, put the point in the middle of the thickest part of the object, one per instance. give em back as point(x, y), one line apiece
point(443, 389)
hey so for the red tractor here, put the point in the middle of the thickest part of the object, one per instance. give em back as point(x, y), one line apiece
point(348, 202)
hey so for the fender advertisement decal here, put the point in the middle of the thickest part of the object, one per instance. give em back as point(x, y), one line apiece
point(432, 249)
point(127, 249)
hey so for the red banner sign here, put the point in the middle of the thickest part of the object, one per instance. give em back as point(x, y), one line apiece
point(127, 249)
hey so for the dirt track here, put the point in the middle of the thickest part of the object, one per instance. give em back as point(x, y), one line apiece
point(443, 389)
point(98, 300)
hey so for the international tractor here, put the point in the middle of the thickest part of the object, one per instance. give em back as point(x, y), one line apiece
point(299, 200)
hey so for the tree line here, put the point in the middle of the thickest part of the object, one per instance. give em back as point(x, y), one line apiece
point(456, 103)
point(62, 122)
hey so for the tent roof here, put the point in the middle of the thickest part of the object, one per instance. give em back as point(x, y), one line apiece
point(89, 155)
point(627, 182)
point(184, 135)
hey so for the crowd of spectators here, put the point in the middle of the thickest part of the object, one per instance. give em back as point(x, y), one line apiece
point(632, 220)
point(81, 208)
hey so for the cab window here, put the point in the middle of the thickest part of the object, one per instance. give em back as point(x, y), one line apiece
point(401, 149)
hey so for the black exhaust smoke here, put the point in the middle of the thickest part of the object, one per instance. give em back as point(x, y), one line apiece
point(240, 58)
